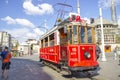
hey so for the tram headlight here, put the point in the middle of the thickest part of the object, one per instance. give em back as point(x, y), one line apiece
point(87, 55)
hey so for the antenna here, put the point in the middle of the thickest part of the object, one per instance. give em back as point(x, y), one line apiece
point(78, 7)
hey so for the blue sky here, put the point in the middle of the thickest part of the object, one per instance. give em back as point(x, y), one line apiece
point(21, 18)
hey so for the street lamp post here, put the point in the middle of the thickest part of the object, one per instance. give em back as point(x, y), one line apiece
point(102, 37)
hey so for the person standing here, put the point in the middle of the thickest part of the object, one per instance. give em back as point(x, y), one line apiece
point(115, 52)
point(98, 50)
point(6, 61)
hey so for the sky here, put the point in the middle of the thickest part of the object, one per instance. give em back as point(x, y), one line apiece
point(25, 19)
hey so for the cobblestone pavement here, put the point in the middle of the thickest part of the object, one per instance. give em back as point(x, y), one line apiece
point(23, 69)
point(28, 68)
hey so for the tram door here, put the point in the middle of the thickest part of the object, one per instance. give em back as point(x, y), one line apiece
point(63, 45)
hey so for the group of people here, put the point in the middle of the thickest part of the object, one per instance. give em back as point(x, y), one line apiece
point(5, 57)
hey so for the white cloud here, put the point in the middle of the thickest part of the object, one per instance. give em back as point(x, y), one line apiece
point(23, 22)
point(40, 9)
point(19, 33)
point(104, 3)
point(38, 31)
point(22, 34)
point(107, 3)
point(9, 20)
point(28, 31)
point(31, 35)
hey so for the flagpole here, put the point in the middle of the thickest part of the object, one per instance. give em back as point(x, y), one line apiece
point(102, 36)
point(78, 7)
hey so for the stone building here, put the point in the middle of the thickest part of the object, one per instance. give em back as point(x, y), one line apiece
point(111, 33)
point(33, 46)
point(5, 39)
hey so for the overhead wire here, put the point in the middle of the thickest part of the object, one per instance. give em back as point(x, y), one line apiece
point(59, 13)
point(62, 11)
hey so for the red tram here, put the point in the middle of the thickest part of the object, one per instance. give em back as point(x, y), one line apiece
point(69, 45)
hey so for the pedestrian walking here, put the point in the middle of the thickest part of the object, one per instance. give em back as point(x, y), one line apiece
point(6, 56)
point(98, 50)
point(115, 53)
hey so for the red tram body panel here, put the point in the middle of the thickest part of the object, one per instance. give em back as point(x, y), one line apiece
point(50, 54)
point(77, 58)
point(73, 53)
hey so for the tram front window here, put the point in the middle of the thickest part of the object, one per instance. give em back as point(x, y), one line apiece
point(75, 35)
point(89, 32)
point(86, 35)
point(82, 33)
point(79, 34)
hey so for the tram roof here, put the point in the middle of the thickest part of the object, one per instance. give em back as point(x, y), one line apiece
point(60, 25)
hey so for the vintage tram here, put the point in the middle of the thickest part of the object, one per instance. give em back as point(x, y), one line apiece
point(70, 45)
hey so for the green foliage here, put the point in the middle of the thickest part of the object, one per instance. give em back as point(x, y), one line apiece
point(31, 46)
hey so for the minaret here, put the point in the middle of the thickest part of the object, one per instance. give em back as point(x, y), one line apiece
point(113, 12)
point(78, 7)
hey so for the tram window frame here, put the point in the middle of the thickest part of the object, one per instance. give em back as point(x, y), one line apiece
point(70, 38)
point(46, 42)
point(51, 42)
point(72, 31)
point(82, 34)
point(63, 36)
point(89, 31)
point(41, 43)
point(75, 34)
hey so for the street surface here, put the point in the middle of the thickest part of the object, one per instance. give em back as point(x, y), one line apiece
point(28, 68)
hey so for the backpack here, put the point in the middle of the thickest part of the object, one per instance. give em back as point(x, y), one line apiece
point(4, 54)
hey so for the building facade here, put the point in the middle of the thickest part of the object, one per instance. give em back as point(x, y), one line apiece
point(33, 46)
point(110, 31)
point(5, 40)
point(23, 49)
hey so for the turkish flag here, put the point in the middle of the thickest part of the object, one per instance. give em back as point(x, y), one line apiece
point(78, 19)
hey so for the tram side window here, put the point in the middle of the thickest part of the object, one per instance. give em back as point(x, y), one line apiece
point(82, 34)
point(41, 43)
point(46, 42)
point(63, 37)
point(52, 40)
point(75, 35)
point(89, 32)
point(70, 35)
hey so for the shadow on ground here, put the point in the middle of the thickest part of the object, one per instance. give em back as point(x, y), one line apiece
point(25, 69)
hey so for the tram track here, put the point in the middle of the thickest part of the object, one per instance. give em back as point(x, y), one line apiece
point(85, 79)
point(78, 77)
